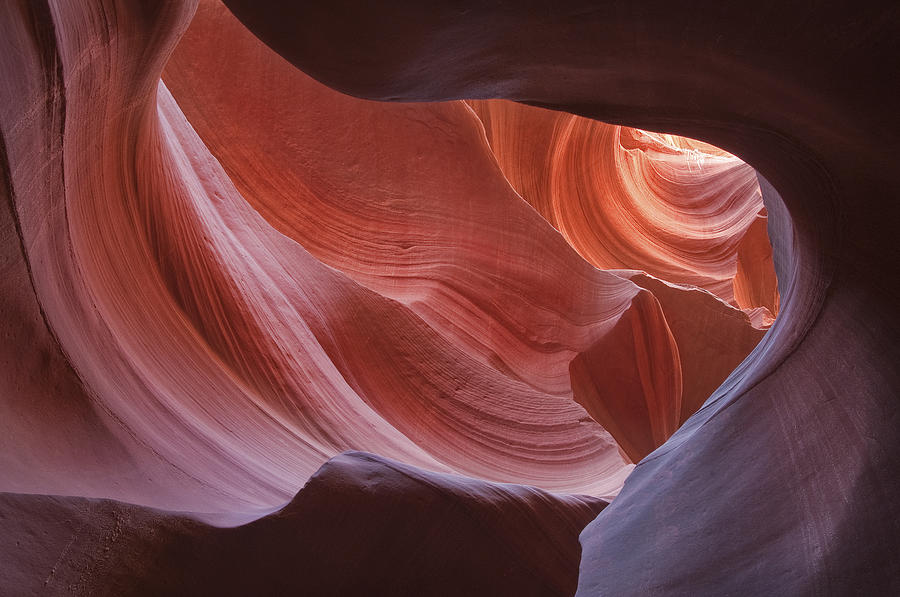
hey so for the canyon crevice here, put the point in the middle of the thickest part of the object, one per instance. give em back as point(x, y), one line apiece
point(410, 299)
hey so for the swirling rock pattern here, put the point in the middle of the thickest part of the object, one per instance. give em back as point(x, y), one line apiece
point(209, 311)
point(678, 209)
point(784, 481)
point(231, 363)
point(409, 229)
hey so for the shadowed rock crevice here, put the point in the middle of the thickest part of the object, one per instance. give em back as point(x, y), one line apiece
point(362, 525)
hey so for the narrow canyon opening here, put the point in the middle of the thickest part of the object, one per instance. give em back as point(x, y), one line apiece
point(444, 208)
point(292, 305)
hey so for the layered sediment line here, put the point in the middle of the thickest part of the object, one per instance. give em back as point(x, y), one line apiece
point(219, 273)
point(791, 460)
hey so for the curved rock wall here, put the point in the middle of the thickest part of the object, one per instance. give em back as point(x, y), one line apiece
point(678, 209)
point(792, 458)
point(216, 283)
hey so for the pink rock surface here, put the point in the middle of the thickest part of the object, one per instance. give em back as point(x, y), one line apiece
point(784, 482)
point(712, 337)
point(640, 405)
point(226, 362)
point(673, 207)
point(210, 292)
point(219, 360)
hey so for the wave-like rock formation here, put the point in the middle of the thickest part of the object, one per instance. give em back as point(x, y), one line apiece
point(676, 208)
point(220, 273)
point(225, 362)
point(784, 481)
point(438, 228)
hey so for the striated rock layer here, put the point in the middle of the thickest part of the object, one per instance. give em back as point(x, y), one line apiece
point(203, 307)
point(205, 355)
point(215, 362)
point(678, 209)
point(784, 482)
point(437, 227)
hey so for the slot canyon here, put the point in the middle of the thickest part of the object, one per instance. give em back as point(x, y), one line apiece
point(449, 298)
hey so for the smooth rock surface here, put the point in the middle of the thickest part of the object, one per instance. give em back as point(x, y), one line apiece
point(784, 482)
point(209, 292)
point(362, 525)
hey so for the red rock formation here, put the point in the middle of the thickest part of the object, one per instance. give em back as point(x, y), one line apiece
point(754, 284)
point(713, 338)
point(640, 405)
point(784, 482)
point(228, 359)
point(676, 208)
point(208, 312)
point(342, 200)
point(434, 226)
